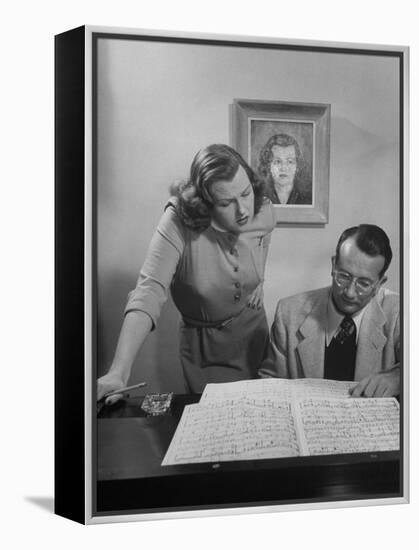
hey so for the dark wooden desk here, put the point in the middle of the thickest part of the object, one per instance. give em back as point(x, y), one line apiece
point(131, 447)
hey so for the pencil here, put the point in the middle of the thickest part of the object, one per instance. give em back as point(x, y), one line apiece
point(123, 390)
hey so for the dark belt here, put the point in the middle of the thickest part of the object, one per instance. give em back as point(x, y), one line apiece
point(219, 325)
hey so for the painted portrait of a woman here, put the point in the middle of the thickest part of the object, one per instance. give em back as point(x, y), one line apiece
point(282, 167)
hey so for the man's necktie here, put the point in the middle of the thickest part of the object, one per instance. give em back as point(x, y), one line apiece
point(346, 329)
point(339, 361)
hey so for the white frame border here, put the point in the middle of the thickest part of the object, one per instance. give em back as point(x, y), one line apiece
point(88, 226)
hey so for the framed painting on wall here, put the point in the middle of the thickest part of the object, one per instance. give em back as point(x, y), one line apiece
point(288, 146)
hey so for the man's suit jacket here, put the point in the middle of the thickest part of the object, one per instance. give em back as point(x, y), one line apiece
point(297, 342)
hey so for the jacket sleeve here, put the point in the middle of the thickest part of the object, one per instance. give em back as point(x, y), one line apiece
point(276, 363)
point(396, 337)
point(160, 264)
point(391, 306)
point(397, 359)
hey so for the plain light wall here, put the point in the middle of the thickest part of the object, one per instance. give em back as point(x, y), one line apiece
point(158, 103)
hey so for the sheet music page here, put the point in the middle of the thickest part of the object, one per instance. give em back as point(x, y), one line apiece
point(274, 389)
point(335, 426)
point(263, 388)
point(318, 387)
point(241, 432)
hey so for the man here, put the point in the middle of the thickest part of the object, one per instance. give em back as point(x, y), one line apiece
point(349, 331)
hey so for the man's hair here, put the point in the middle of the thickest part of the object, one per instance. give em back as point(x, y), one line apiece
point(370, 239)
point(266, 155)
point(214, 163)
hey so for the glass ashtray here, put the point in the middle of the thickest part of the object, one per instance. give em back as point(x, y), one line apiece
point(155, 404)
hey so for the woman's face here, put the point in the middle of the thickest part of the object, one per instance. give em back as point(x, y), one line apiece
point(283, 164)
point(234, 202)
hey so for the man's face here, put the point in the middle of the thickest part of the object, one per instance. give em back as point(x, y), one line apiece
point(358, 266)
point(283, 164)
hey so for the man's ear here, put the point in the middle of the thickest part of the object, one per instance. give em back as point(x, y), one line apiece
point(382, 281)
point(333, 259)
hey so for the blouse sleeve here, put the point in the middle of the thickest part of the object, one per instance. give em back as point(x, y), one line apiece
point(163, 255)
point(268, 212)
point(264, 221)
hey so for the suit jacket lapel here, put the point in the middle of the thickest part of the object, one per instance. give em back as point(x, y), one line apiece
point(371, 341)
point(312, 331)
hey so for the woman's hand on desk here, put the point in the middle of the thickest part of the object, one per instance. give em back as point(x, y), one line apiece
point(109, 382)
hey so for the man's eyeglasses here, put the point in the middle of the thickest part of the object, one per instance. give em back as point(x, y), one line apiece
point(362, 286)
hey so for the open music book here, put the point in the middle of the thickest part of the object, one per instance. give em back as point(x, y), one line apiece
point(274, 418)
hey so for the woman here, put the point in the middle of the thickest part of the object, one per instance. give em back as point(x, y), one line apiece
point(282, 167)
point(210, 249)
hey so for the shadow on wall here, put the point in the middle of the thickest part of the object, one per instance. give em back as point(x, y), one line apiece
point(351, 142)
point(157, 362)
point(366, 171)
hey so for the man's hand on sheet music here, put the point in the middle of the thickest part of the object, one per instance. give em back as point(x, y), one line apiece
point(385, 384)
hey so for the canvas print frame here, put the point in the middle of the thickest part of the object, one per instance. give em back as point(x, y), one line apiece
point(78, 493)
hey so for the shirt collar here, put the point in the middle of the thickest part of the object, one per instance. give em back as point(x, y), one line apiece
point(334, 319)
point(217, 227)
point(222, 234)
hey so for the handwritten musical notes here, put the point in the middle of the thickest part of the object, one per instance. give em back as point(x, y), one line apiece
point(276, 389)
point(274, 418)
point(213, 434)
point(348, 426)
